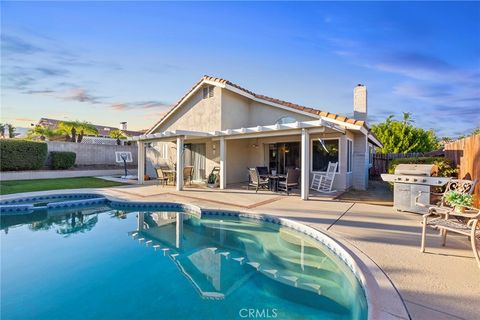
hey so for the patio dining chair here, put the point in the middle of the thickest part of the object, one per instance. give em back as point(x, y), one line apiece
point(290, 182)
point(161, 177)
point(466, 224)
point(262, 171)
point(188, 174)
point(256, 181)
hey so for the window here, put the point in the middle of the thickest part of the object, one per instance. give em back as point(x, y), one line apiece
point(322, 155)
point(284, 120)
point(349, 155)
point(208, 92)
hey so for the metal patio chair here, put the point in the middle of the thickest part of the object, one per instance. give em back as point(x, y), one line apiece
point(466, 224)
point(290, 182)
point(256, 181)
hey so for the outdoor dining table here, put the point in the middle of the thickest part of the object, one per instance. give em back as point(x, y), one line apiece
point(273, 180)
point(171, 174)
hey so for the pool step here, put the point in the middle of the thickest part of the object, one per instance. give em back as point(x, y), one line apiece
point(312, 283)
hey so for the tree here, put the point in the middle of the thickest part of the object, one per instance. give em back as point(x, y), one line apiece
point(475, 131)
point(74, 131)
point(402, 137)
point(11, 130)
point(117, 134)
point(41, 132)
point(67, 128)
point(85, 128)
point(2, 129)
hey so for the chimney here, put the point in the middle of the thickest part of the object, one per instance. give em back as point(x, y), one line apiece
point(360, 102)
point(124, 125)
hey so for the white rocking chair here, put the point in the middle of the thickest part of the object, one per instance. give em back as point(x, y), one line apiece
point(323, 182)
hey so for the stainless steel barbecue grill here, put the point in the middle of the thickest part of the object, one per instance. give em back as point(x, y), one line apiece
point(409, 180)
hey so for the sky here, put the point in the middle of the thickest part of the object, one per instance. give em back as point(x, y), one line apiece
point(108, 62)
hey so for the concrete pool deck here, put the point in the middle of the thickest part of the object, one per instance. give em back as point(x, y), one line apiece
point(443, 283)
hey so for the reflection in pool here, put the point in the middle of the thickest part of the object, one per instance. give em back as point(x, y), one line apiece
point(101, 262)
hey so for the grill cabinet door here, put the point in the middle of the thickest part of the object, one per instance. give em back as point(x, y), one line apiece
point(401, 196)
point(424, 198)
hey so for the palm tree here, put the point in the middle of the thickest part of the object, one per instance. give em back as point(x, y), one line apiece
point(117, 134)
point(74, 131)
point(11, 130)
point(67, 128)
point(2, 129)
point(407, 118)
point(41, 132)
point(85, 128)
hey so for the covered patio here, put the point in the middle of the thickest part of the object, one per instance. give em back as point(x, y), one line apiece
point(235, 150)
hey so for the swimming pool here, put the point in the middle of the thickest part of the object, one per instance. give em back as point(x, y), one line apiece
point(166, 261)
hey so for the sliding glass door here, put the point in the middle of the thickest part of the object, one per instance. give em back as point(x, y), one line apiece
point(195, 156)
point(283, 156)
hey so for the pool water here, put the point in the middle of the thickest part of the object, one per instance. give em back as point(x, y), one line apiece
point(101, 262)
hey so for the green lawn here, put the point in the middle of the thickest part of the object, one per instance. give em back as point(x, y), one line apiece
point(8, 187)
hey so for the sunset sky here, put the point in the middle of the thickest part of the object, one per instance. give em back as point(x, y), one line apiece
point(107, 62)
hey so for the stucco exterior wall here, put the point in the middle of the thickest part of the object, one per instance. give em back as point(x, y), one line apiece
point(238, 112)
point(196, 114)
point(235, 110)
point(237, 161)
point(360, 162)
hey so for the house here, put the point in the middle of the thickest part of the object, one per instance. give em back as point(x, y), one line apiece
point(103, 136)
point(218, 123)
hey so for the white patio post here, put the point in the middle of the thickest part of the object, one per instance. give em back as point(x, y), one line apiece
point(140, 221)
point(141, 162)
point(223, 163)
point(179, 163)
point(179, 230)
point(305, 163)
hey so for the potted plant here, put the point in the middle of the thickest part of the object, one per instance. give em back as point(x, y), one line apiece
point(459, 200)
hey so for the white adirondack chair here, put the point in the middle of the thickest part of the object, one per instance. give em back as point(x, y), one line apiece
point(323, 182)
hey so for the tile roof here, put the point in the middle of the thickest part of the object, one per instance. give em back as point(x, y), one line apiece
point(269, 99)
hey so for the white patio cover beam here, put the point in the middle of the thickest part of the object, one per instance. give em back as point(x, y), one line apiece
point(179, 172)
point(270, 130)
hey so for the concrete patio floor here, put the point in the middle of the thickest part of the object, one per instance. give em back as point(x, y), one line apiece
point(443, 283)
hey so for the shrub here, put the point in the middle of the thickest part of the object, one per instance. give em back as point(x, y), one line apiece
point(444, 165)
point(22, 155)
point(62, 159)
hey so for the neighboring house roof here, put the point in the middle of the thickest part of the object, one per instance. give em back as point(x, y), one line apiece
point(102, 130)
point(261, 98)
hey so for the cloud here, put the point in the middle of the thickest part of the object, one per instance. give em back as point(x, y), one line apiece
point(81, 95)
point(142, 105)
point(25, 120)
point(422, 67)
point(75, 94)
point(15, 45)
point(45, 92)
